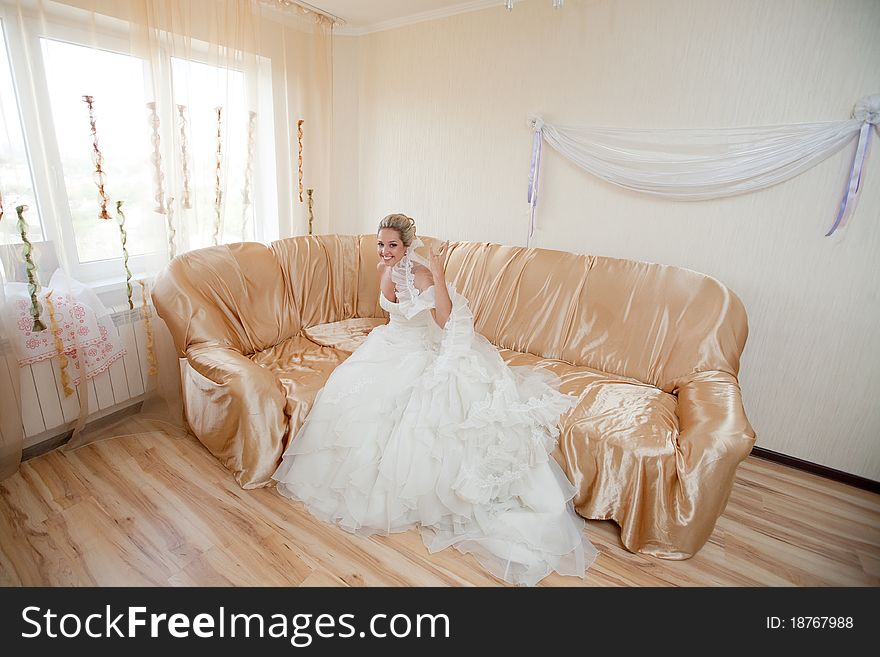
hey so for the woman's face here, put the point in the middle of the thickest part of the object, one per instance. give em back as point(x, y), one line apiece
point(390, 247)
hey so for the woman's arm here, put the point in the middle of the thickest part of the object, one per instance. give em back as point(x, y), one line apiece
point(443, 306)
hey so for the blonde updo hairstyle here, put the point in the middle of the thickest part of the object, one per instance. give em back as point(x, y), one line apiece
point(405, 226)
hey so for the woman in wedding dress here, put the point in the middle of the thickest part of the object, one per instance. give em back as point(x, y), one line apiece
point(426, 426)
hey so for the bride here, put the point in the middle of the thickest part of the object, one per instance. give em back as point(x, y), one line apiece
point(426, 426)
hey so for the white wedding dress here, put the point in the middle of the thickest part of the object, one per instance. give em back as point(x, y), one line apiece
point(428, 427)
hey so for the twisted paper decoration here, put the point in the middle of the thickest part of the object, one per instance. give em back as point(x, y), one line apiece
point(120, 217)
point(148, 329)
point(309, 191)
point(59, 345)
point(248, 173)
point(169, 220)
point(98, 159)
point(33, 283)
point(299, 138)
point(156, 158)
point(218, 192)
point(181, 112)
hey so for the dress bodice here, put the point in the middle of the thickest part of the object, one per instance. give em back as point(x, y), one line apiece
point(413, 315)
point(409, 309)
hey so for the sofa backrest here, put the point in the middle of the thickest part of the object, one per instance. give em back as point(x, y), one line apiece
point(321, 274)
point(655, 323)
point(368, 280)
point(522, 299)
point(227, 296)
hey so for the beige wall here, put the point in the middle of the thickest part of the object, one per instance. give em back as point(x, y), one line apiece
point(438, 130)
point(345, 163)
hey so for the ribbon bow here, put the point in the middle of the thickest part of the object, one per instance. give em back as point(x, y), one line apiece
point(867, 110)
point(536, 123)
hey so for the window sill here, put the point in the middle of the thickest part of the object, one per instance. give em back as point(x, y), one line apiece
point(112, 292)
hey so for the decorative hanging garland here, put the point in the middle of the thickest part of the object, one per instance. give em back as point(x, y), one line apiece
point(148, 329)
point(120, 218)
point(59, 345)
point(248, 173)
point(309, 192)
point(299, 139)
point(156, 159)
point(218, 192)
point(98, 159)
point(184, 157)
point(33, 283)
point(169, 219)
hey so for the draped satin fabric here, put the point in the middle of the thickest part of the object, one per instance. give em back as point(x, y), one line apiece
point(651, 351)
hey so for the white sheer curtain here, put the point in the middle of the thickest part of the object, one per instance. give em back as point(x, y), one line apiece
point(174, 120)
point(703, 164)
point(11, 430)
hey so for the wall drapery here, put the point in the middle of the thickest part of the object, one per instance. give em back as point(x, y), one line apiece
point(693, 165)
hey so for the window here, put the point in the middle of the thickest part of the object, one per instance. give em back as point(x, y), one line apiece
point(116, 83)
point(16, 185)
point(201, 89)
point(47, 148)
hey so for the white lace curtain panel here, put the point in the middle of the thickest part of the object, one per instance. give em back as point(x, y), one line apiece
point(693, 165)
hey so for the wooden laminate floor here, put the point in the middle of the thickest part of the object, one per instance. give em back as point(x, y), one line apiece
point(150, 509)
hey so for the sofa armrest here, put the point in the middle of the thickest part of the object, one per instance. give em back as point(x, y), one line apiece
point(238, 411)
point(714, 438)
point(712, 422)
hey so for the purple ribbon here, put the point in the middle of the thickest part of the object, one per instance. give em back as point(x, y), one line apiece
point(534, 170)
point(855, 178)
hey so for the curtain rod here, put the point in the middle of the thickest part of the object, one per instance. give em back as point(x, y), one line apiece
point(306, 5)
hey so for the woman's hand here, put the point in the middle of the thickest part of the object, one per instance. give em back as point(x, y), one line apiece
point(437, 262)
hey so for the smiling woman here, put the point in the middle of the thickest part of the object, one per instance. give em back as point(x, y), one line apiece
point(391, 248)
point(453, 441)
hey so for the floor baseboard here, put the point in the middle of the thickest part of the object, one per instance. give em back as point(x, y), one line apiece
point(821, 470)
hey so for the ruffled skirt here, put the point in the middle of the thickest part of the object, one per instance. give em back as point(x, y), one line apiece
point(459, 447)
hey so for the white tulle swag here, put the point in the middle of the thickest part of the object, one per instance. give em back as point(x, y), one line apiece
point(698, 164)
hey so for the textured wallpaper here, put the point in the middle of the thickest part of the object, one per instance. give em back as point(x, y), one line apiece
point(430, 120)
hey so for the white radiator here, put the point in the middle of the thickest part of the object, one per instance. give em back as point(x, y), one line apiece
point(47, 412)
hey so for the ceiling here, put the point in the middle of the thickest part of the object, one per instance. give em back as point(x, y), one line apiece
point(362, 16)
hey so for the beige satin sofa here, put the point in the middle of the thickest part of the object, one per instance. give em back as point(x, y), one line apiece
point(651, 351)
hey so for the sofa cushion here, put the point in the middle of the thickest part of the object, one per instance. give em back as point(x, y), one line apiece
point(346, 335)
point(620, 430)
point(302, 367)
